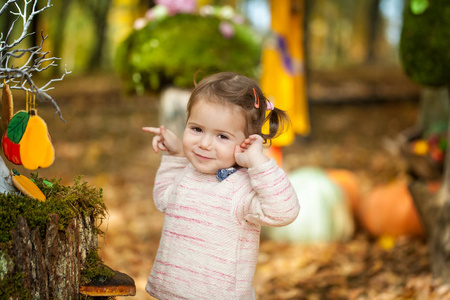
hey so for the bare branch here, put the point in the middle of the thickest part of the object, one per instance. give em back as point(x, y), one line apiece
point(25, 78)
point(5, 6)
point(20, 77)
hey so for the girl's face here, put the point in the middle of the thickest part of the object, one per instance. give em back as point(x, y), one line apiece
point(211, 135)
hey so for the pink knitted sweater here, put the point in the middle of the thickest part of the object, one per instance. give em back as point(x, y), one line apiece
point(210, 239)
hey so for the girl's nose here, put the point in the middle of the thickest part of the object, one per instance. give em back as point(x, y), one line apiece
point(206, 142)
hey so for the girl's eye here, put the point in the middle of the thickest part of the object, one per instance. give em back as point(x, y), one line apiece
point(223, 137)
point(196, 129)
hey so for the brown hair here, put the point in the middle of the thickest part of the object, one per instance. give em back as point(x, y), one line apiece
point(230, 88)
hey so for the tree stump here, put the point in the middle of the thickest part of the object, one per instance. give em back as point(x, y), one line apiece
point(51, 267)
point(48, 249)
point(434, 213)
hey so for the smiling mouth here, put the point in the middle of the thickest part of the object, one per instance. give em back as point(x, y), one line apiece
point(202, 157)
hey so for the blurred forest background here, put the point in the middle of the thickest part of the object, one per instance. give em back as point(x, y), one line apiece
point(339, 33)
point(359, 102)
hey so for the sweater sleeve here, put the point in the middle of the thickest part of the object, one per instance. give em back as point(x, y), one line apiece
point(169, 169)
point(267, 198)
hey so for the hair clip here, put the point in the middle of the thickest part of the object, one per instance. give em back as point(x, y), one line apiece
point(256, 98)
point(269, 105)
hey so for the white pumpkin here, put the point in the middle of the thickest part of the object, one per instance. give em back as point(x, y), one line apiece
point(324, 215)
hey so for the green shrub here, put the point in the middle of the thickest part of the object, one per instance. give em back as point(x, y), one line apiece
point(425, 43)
point(170, 51)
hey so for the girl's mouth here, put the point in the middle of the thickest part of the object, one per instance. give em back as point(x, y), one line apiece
point(202, 157)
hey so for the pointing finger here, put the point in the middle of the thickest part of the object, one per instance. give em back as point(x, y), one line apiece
point(152, 130)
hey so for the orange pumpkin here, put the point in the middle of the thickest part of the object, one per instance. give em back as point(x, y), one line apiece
point(390, 210)
point(350, 186)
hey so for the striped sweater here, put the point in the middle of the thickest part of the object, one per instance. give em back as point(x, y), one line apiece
point(210, 238)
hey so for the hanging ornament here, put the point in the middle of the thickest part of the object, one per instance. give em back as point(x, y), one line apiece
point(11, 150)
point(26, 140)
point(7, 105)
point(36, 149)
point(13, 135)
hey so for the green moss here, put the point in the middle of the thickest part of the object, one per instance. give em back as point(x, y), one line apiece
point(172, 50)
point(11, 287)
point(66, 201)
point(94, 267)
point(425, 44)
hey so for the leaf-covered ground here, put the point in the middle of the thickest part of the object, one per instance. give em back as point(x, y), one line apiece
point(358, 269)
point(102, 140)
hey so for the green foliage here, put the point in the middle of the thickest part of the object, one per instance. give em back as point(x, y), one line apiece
point(11, 288)
point(170, 51)
point(418, 6)
point(425, 44)
point(66, 201)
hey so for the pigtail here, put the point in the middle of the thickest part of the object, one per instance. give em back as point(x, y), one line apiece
point(271, 121)
point(278, 122)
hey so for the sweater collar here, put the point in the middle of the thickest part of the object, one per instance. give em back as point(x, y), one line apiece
point(222, 174)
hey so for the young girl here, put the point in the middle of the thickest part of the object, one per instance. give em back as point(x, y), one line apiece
point(216, 188)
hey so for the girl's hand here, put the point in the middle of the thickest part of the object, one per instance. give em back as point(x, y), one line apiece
point(165, 140)
point(250, 154)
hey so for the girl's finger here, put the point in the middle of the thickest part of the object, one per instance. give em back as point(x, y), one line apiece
point(163, 131)
point(156, 140)
point(245, 143)
point(255, 137)
point(162, 147)
point(151, 130)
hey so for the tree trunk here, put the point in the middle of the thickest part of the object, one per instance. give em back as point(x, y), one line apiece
point(51, 267)
point(58, 38)
point(99, 11)
point(374, 20)
point(434, 210)
point(434, 106)
point(437, 225)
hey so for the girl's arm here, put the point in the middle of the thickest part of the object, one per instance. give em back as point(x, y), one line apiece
point(165, 181)
point(266, 197)
point(166, 140)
